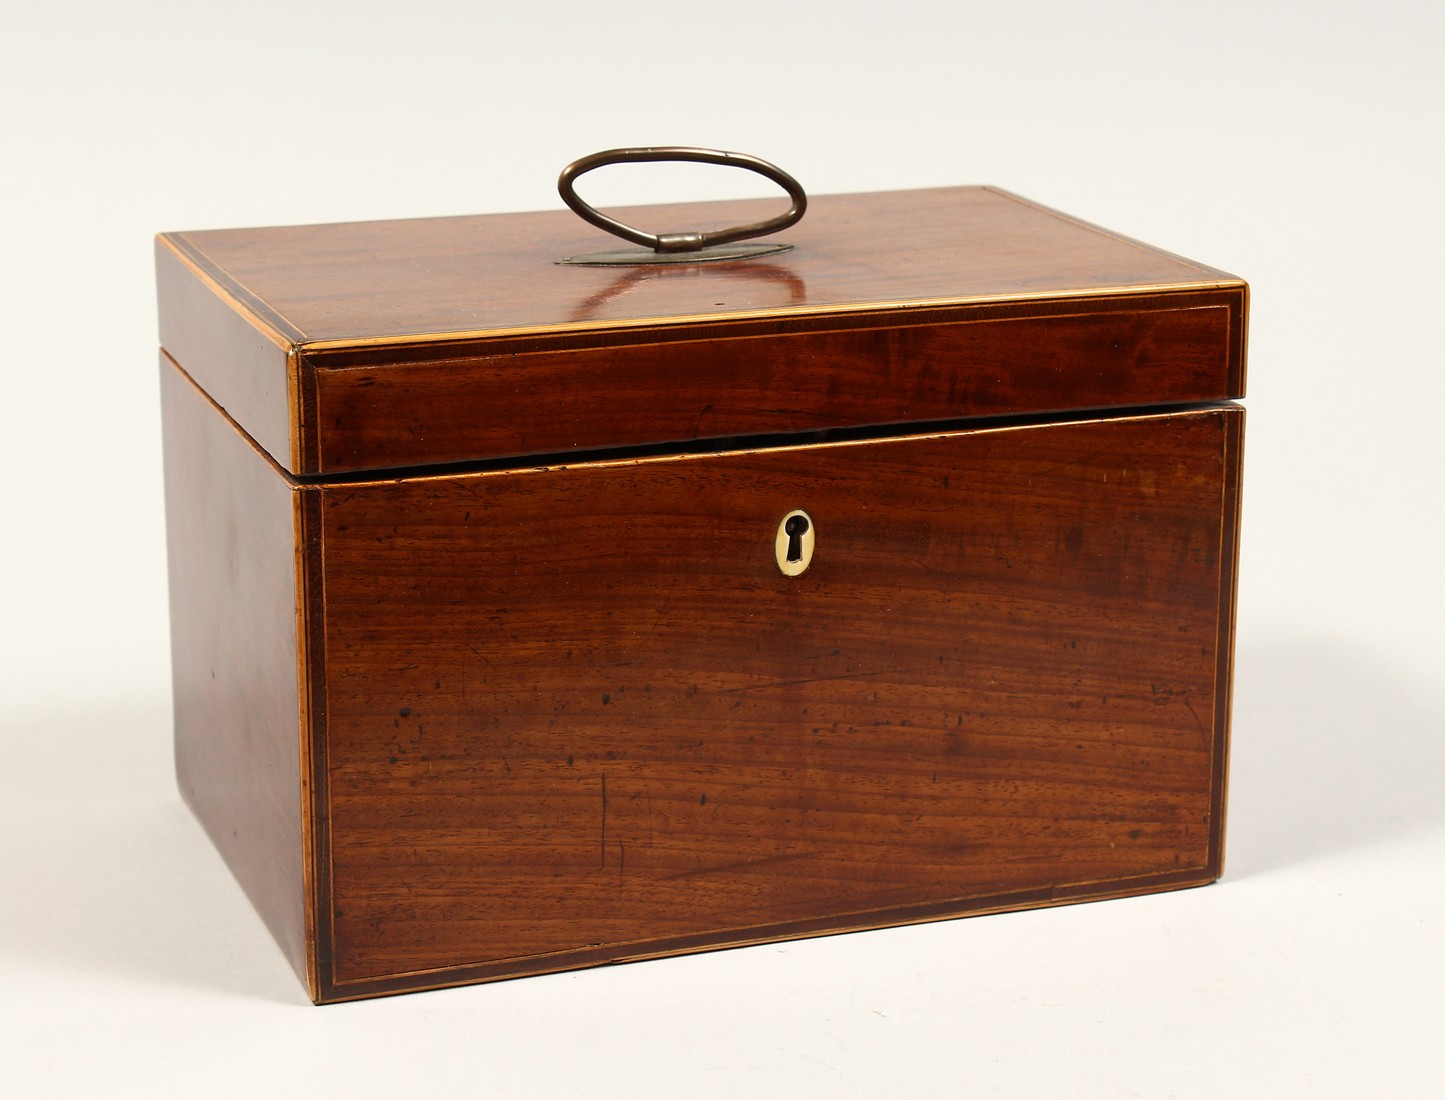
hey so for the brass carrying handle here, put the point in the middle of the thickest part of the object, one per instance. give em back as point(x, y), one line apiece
point(687, 241)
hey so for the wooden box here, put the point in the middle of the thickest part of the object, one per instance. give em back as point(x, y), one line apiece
point(487, 662)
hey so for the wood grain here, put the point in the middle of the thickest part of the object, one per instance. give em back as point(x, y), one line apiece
point(577, 715)
point(354, 325)
point(505, 679)
point(386, 280)
point(244, 365)
point(231, 539)
point(874, 369)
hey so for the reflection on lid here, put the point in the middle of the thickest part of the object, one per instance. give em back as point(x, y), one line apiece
point(791, 290)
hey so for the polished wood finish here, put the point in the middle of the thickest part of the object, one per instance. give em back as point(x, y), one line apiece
point(750, 379)
point(390, 344)
point(232, 542)
point(484, 665)
point(578, 714)
point(246, 366)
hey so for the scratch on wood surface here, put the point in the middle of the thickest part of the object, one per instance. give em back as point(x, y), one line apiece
point(814, 680)
point(1165, 695)
point(1203, 733)
point(697, 424)
point(604, 821)
point(1082, 460)
point(664, 604)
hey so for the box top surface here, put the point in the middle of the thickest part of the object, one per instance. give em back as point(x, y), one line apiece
point(366, 282)
point(283, 326)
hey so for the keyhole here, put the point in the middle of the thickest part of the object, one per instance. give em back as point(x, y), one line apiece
point(795, 540)
point(794, 529)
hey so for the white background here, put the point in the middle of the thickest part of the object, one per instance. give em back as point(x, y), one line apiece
point(1296, 144)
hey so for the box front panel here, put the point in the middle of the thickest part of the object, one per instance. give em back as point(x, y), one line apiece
point(579, 714)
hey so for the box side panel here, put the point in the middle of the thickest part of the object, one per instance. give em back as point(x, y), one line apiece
point(555, 395)
point(231, 534)
point(578, 715)
point(1228, 616)
point(239, 358)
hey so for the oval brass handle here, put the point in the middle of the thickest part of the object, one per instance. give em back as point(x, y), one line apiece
point(686, 241)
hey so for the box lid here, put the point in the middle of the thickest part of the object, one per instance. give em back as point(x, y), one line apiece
point(397, 344)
